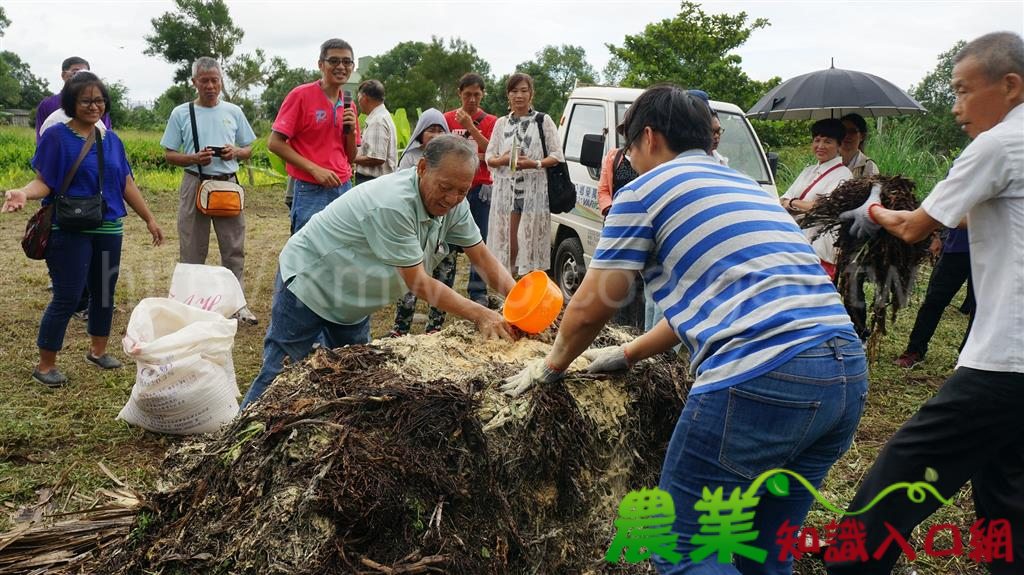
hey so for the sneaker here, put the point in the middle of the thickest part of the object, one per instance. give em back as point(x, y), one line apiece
point(246, 316)
point(908, 360)
point(105, 361)
point(395, 333)
point(81, 315)
point(52, 378)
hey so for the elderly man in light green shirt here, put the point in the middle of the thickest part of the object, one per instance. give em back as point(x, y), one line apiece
point(373, 244)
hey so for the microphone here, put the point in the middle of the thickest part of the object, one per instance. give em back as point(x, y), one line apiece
point(346, 101)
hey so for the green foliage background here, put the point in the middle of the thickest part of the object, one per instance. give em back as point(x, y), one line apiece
point(694, 50)
point(421, 75)
point(936, 95)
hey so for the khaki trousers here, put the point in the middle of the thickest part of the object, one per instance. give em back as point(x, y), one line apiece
point(194, 231)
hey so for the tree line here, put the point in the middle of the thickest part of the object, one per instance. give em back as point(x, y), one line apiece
point(693, 49)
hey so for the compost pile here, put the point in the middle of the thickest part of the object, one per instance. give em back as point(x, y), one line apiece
point(886, 262)
point(402, 457)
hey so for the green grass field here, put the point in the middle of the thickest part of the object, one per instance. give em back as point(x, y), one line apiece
point(62, 435)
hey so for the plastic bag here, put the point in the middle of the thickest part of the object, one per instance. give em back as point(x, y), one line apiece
point(185, 378)
point(210, 288)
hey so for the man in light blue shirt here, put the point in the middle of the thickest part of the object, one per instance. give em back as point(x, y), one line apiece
point(224, 138)
point(371, 245)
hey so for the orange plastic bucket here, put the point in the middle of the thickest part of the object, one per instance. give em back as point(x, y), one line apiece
point(534, 303)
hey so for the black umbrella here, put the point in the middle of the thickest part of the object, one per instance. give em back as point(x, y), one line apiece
point(833, 93)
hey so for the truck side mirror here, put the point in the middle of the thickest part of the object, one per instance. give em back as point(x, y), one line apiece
point(592, 150)
point(773, 162)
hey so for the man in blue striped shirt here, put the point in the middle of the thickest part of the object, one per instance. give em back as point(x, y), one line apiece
point(780, 374)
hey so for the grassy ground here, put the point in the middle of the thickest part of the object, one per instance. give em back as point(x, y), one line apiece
point(46, 435)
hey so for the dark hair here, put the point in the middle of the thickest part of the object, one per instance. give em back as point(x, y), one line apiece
point(74, 87)
point(683, 119)
point(69, 62)
point(372, 89)
point(829, 128)
point(858, 122)
point(471, 79)
point(516, 79)
point(335, 44)
point(998, 53)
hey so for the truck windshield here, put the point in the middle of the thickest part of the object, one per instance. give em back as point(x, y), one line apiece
point(737, 144)
point(620, 113)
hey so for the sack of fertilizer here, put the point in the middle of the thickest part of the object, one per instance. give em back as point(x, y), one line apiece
point(185, 378)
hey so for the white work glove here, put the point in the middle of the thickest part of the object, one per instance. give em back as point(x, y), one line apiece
point(863, 226)
point(536, 372)
point(607, 359)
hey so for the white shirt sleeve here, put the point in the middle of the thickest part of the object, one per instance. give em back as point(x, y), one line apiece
point(981, 172)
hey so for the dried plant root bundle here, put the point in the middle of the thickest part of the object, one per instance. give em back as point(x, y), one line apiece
point(885, 262)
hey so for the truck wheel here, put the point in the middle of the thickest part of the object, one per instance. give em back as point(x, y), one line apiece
point(569, 268)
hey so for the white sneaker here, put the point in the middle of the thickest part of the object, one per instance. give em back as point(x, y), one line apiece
point(246, 316)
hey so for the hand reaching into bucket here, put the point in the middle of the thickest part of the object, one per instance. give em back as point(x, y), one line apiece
point(493, 326)
point(539, 371)
point(608, 359)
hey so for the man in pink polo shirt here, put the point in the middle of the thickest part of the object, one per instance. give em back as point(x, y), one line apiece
point(316, 132)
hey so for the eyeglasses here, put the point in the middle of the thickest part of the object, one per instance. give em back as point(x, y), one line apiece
point(98, 102)
point(718, 132)
point(335, 62)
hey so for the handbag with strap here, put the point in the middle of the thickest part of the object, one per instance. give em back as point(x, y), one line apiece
point(37, 230)
point(37, 233)
point(215, 197)
point(561, 190)
point(77, 213)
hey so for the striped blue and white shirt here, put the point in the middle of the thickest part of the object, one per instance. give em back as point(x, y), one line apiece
point(737, 280)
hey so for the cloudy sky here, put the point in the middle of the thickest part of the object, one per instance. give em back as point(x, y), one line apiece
point(898, 41)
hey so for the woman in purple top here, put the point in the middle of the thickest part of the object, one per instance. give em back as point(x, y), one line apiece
point(91, 256)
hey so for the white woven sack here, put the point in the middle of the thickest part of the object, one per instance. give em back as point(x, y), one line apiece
point(185, 378)
point(210, 288)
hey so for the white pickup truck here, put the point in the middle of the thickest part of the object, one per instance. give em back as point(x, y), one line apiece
point(587, 132)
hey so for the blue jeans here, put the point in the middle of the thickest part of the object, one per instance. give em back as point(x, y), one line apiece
point(480, 208)
point(293, 330)
point(800, 417)
point(77, 261)
point(309, 198)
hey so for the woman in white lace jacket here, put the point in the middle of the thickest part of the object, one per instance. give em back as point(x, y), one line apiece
point(519, 231)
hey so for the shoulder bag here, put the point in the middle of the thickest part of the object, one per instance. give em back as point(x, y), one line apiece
point(561, 190)
point(77, 213)
point(37, 231)
point(214, 197)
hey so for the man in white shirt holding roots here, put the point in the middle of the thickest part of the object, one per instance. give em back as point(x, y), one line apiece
point(970, 430)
